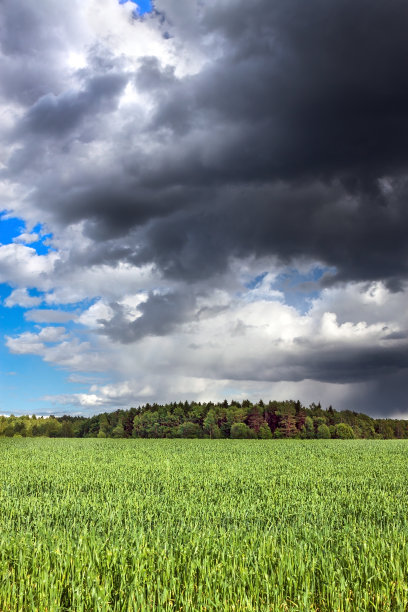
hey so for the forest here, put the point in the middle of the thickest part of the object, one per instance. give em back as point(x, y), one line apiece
point(275, 419)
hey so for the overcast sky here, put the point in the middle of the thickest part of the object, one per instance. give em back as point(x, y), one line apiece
point(206, 200)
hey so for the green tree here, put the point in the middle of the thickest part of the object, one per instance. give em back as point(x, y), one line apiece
point(323, 432)
point(104, 424)
point(264, 432)
point(211, 426)
point(196, 413)
point(241, 431)
point(20, 427)
point(9, 430)
point(385, 428)
point(67, 430)
point(118, 431)
point(190, 430)
point(308, 429)
point(52, 427)
point(344, 431)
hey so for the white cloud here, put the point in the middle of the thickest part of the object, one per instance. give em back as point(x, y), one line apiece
point(369, 302)
point(26, 343)
point(131, 304)
point(21, 297)
point(54, 345)
point(82, 400)
point(52, 334)
point(21, 265)
point(111, 283)
point(26, 238)
point(32, 343)
point(92, 316)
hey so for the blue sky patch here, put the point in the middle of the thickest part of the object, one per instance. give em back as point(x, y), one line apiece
point(10, 228)
point(300, 289)
point(143, 6)
point(255, 282)
point(27, 379)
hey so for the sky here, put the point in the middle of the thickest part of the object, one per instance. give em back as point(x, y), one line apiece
point(203, 200)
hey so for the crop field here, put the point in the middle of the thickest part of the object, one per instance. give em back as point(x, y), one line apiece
point(203, 525)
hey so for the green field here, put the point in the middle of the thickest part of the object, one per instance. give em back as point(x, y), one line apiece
point(203, 525)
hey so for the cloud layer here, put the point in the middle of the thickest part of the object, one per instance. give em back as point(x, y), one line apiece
point(186, 164)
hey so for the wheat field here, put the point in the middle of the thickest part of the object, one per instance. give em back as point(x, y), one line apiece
point(125, 525)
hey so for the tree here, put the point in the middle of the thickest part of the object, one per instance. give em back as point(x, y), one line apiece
point(300, 417)
point(319, 420)
point(231, 415)
point(190, 430)
point(67, 430)
point(118, 431)
point(287, 425)
point(9, 430)
point(264, 432)
point(137, 431)
point(53, 427)
point(344, 431)
point(210, 425)
point(196, 414)
point(241, 431)
point(20, 428)
point(103, 424)
point(308, 429)
point(323, 432)
point(93, 427)
point(255, 418)
point(271, 416)
point(384, 428)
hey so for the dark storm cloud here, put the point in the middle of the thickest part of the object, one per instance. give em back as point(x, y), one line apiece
point(321, 87)
point(339, 363)
point(57, 114)
point(289, 221)
point(304, 92)
point(22, 31)
point(382, 397)
point(34, 36)
point(151, 76)
point(312, 97)
point(160, 314)
point(351, 364)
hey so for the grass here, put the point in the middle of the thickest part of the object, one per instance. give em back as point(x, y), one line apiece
point(203, 525)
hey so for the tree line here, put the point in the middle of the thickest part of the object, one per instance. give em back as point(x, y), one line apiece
point(285, 419)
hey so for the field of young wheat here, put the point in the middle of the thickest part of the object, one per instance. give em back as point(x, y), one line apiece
point(203, 525)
